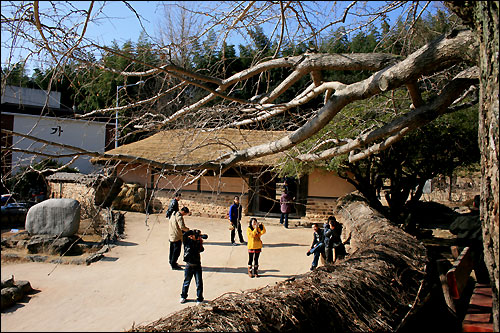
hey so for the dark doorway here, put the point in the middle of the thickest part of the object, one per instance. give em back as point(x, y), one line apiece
point(266, 193)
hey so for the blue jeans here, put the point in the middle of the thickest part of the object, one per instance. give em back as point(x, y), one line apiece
point(284, 218)
point(189, 271)
point(317, 252)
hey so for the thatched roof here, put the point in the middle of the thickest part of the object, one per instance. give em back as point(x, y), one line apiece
point(194, 146)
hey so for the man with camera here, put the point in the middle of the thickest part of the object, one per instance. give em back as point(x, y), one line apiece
point(177, 227)
point(193, 246)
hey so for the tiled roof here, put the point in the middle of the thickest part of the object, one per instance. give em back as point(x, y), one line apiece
point(72, 177)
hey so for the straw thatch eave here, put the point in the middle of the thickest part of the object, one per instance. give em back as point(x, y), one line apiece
point(183, 149)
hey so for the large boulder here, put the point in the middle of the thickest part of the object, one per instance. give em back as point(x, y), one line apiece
point(54, 245)
point(56, 217)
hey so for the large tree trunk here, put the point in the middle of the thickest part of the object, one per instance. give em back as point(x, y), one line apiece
point(486, 18)
point(373, 289)
point(483, 17)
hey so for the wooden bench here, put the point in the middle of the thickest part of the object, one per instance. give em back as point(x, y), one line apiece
point(478, 315)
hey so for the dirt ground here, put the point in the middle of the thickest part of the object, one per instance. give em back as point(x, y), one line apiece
point(133, 283)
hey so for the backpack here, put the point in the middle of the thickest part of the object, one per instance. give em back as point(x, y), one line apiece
point(171, 208)
point(169, 212)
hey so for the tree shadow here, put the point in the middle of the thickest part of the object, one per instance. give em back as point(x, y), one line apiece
point(282, 245)
point(225, 269)
point(105, 258)
point(224, 244)
point(245, 244)
point(244, 270)
point(264, 273)
point(124, 243)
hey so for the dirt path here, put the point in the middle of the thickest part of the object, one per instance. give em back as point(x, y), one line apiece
point(134, 282)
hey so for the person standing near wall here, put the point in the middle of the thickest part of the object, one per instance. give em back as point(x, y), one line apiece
point(235, 213)
point(286, 207)
point(177, 227)
point(254, 231)
point(174, 205)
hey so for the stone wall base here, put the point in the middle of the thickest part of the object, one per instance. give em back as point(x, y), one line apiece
point(318, 209)
point(216, 205)
point(204, 204)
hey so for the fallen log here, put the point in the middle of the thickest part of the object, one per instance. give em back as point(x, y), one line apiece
point(372, 289)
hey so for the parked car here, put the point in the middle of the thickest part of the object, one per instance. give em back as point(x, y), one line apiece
point(7, 198)
point(14, 213)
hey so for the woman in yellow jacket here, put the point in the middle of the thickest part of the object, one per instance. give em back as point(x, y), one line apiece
point(254, 231)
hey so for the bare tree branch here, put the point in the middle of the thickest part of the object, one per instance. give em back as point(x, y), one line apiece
point(428, 59)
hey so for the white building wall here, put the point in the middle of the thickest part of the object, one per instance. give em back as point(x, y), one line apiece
point(88, 135)
point(31, 97)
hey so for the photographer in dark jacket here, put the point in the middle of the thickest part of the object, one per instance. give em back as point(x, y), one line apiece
point(334, 247)
point(193, 246)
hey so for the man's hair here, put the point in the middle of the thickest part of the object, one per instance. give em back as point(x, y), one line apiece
point(236, 197)
point(315, 224)
point(332, 219)
point(177, 194)
point(185, 210)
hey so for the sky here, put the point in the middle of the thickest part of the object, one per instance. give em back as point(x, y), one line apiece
point(118, 23)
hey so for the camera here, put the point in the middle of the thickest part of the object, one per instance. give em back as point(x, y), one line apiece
point(198, 234)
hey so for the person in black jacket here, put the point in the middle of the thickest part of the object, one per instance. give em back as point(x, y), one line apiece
point(193, 246)
point(334, 247)
point(173, 207)
point(328, 238)
point(467, 228)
